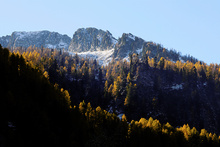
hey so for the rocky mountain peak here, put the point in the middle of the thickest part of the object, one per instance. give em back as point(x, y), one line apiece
point(91, 39)
point(38, 38)
point(4, 41)
point(93, 42)
point(127, 44)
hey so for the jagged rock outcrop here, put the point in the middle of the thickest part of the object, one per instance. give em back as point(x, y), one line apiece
point(91, 39)
point(41, 38)
point(4, 41)
point(127, 44)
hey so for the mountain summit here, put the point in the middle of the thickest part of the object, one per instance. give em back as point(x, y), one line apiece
point(127, 44)
point(91, 39)
point(38, 38)
point(94, 43)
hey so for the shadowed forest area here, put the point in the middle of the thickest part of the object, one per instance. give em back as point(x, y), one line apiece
point(50, 98)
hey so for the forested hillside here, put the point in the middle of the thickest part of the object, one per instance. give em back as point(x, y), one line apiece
point(178, 92)
point(94, 42)
point(33, 111)
point(37, 111)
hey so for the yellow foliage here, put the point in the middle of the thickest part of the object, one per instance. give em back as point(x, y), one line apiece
point(144, 122)
point(110, 88)
point(215, 138)
point(165, 131)
point(81, 106)
point(132, 122)
point(98, 109)
point(64, 69)
point(186, 131)
point(124, 118)
point(129, 77)
point(107, 74)
point(156, 124)
point(194, 131)
point(150, 121)
point(106, 86)
point(168, 125)
point(126, 102)
point(73, 69)
point(46, 75)
point(67, 97)
point(88, 111)
point(18, 52)
point(90, 72)
point(66, 62)
point(115, 89)
point(204, 133)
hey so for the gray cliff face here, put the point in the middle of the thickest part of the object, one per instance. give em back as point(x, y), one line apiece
point(91, 39)
point(4, 41)
point(42, 38)
point(128, 44)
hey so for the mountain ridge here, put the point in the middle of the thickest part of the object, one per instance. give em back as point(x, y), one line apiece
point(92, 40)
point(35, 38)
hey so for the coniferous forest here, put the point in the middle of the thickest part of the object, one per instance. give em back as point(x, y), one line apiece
point(51, 98)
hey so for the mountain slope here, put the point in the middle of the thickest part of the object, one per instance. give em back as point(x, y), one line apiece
point(33, 111)
point(128, 44)
point(42, 38)
point(91, 39)
point(87, 41)
point(90, 42)
point(4, 41)
point(36, 113)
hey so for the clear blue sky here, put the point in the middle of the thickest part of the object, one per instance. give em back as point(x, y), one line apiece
point(189, 26)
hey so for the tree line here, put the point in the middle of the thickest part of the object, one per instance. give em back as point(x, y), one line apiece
point(140, 87)
point(37, 112)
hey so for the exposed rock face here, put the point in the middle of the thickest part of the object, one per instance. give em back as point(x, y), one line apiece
point(177, 101)
point(127, 44)
point(86, 40)
point(91, 39)
point(4, 41)
point(42, 38)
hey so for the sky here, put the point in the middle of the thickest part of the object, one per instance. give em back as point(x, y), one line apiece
point(188, 26)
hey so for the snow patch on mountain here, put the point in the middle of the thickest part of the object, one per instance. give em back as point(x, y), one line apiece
point(177, 86)
point(131, 36)
point(24, 34)
point(20, 35)
point(114, 41)
point(120, 116)
point(104, 57)
point(36, 38)
point(127, 58)
point(99, 38)
point(139, 50)
point(50, 46)
point(63, 44)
